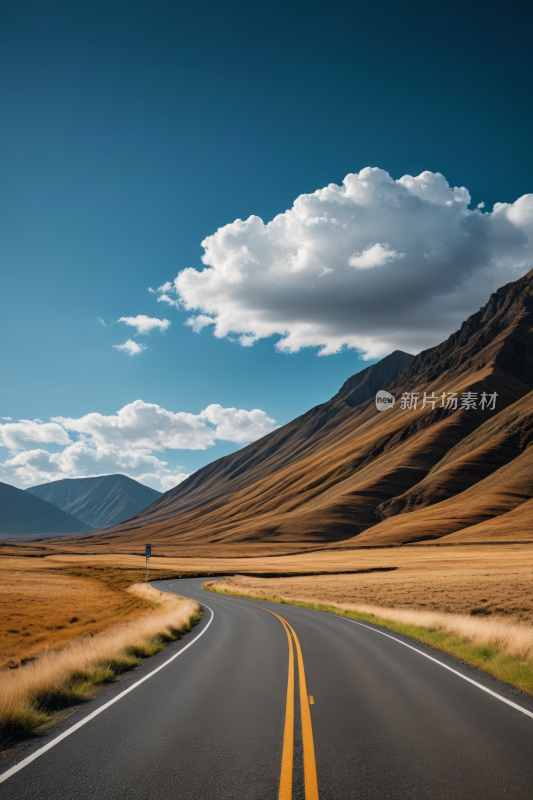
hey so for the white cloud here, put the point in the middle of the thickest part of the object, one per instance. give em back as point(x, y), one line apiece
point(237, 425)
point(144, 426)
point(146, 324)
point(124, 442)
point(164, 293)
point(168, 482)
point(9, 418)
point(147, 426)
point(20, 435)
point(101, 321)
point(131, 348)
point(377, 255)
point(424, 261)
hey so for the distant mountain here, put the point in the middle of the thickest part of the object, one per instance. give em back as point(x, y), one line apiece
point(98, 502)
point(22, 514)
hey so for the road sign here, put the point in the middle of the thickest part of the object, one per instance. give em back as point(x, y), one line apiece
point(148, 554)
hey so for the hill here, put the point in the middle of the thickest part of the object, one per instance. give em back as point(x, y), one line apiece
point(100, 501)
point(21, 514)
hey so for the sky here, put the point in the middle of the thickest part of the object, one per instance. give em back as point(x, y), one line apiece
point(213, 214)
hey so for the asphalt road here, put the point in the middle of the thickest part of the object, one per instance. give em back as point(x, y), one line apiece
point(220, 720)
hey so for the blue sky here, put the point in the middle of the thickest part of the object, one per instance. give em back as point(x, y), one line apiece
point(133, 131)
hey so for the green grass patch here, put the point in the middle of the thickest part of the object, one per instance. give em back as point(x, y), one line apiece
point(22, 721)
point(509, 669)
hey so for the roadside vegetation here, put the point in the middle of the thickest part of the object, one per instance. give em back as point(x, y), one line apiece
point(501, 647)
point(35, 693)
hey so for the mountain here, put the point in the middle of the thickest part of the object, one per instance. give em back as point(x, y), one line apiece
point(98, 502)
point(23, 514)
point(364, 385)
point(345, 472)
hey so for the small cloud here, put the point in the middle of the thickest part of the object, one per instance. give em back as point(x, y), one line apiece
point(164, 298)
point(146, 324)
point(481, 205)
point(169, 481)
point(101, 321)
point(131, 348)
point(374, 256)
point(164, 293)
point(325, 271)
point(199, 322)
point(8, 418)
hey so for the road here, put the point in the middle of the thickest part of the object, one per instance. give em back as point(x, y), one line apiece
point(224, 713)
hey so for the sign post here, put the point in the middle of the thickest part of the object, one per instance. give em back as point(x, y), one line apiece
point(148, 554)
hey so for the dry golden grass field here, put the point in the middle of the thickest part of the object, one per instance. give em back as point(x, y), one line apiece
point(44, 606)
point(491, 586)
point(49, 601)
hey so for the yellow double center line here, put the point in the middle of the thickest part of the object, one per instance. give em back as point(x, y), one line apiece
point(287, 759)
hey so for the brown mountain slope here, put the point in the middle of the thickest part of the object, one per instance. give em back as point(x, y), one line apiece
point(492, 477)
point(344, 472)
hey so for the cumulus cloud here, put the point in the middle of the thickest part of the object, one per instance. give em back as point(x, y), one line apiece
point(374, 264)
point(131, 348)
point(147, 426)
point(146, 324)
point(237, 425)
point(144, 426)
point(124, 442)
point(23, 434)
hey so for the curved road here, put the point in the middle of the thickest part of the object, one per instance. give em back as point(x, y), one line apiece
point(224, 713)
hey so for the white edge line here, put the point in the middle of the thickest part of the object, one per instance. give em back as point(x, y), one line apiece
point(94, 714)
point(450, 669)
point(420, 653)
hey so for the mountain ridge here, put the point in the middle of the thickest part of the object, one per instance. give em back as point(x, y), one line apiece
point(99, 501)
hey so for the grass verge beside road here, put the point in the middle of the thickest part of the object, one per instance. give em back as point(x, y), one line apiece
point(33, 695)
point(497, 646)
